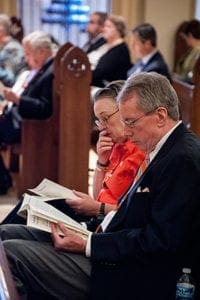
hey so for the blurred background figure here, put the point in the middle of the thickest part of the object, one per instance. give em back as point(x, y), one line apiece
point(185, 65)
point(96, 45)
point(31, 98)
point(114, 64)
point(94, 30)
point(11, 53)
point(145, 52)
point(16, 30)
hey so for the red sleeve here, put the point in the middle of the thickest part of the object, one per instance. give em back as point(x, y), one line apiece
point(118, 182)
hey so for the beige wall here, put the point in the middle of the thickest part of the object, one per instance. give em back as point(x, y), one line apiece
point(8, 7)
point(164, 15)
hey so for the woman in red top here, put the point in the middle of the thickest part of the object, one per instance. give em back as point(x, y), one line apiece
point(117, 164)
point(118, 158)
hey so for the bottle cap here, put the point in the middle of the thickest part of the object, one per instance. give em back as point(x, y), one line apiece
point(186, 270)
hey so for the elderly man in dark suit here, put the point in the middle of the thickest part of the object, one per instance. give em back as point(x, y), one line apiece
point(141, 247)
point(32, 98)
point(144, 47)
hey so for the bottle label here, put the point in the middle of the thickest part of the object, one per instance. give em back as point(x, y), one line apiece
point(186, 292)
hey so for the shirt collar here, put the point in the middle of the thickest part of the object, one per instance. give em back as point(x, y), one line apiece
point(96, 38)
point(162, 141)
point(146, 58)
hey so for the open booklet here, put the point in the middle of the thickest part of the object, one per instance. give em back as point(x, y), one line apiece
point(51, 190)
point(40, 214)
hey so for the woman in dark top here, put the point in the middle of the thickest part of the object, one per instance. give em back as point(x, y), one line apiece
point(113, 65)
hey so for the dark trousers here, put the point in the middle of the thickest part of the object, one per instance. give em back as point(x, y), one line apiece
point(9, 134)
point(5, 178)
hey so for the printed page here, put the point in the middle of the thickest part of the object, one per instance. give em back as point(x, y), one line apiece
point(40, 222)
point(25, 204)
point(52, 190)
point(2, 87)
point(46, 211)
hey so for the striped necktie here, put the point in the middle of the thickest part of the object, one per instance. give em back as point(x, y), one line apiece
point(139, 173)
point(142, 168)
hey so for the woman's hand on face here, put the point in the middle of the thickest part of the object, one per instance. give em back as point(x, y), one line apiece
point(104, 147)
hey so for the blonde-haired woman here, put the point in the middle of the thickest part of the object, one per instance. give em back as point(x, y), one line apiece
point(113, 65)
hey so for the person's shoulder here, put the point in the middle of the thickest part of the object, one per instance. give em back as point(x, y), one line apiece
point(121, 50)
point(13, 43)
point(158, 57)
point(158, 64)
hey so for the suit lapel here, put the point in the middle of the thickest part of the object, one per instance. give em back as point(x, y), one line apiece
point(153, 58)
point(41, 71)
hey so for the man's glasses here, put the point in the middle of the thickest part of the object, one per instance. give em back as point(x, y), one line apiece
point(131, 123)
point(103, 121)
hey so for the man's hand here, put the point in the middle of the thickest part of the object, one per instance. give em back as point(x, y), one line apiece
point(11, 96)
point(70, 240)
point(85, 205)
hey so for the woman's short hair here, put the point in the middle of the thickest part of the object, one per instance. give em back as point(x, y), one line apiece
point(110, 91)
point(119, 23)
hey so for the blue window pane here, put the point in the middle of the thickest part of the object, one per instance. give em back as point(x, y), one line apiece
point(65, 20)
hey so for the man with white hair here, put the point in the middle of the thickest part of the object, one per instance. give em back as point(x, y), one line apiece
point(35, 101)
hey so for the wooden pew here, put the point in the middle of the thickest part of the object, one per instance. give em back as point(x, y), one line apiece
point(8, 290)
point(50, 147)
point(185, 95)
point(39, 142)
point(75, 120)
point(195, 107)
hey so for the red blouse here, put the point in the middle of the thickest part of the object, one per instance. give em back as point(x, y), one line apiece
point(125, 160)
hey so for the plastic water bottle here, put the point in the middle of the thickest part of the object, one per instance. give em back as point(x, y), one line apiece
point(185, 286)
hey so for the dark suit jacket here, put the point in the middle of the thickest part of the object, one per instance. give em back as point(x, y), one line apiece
point(35, 103)
point(36, 100)
point(154, 234)
point(155, 64)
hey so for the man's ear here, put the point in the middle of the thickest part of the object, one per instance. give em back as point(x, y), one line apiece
point(161, 116)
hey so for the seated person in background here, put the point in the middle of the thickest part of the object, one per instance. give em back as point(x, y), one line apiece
point(114, 64)
point(17, 30)
point(185, 65)
point(118, 162)
point(144, 245)
point(11, 53)
point(145, 52)
point(96, 45)
point(35, 102)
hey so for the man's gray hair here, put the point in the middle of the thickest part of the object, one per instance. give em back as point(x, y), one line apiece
point(153, 90)
point(37, 39)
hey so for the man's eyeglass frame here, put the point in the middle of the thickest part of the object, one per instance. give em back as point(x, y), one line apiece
point(131, 123)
